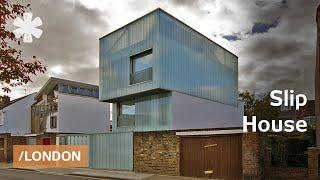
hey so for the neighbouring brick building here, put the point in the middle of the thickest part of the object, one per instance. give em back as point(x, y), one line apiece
point(6, 145)
point(306, 112)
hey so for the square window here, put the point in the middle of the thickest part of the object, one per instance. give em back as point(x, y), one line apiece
point(2, 117)
point(128, 109)
point(126, 115)
point(141, 67)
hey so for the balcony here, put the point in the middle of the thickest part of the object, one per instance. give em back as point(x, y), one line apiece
point(141, 76)
point(126, 120)
point(44, 110)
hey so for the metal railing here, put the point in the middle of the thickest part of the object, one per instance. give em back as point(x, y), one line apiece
point(141, 76)
point(44, 110)
point(125, 120)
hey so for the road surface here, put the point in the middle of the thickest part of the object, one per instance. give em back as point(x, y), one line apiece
point(13, 174)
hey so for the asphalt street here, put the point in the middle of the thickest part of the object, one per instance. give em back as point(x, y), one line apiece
point(13, 174)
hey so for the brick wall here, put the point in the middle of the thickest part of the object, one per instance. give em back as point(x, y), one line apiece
point(15, 140)
point(156, 152)
point(9, 141)
point(251, 156)
point(286, 173)
point(313, 162)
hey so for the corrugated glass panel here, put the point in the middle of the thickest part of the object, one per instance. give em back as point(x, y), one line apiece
point(184, 60)
point(107, 150)
point(151, 113)
point(115, 52)
point(192, 64)
point(111, 151)
point(77, 139)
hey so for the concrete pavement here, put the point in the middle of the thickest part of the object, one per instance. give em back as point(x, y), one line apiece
point(86, 173)
point(13, 174)
point(125, 175)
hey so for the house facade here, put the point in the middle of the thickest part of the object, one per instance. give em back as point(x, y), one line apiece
point(306, 112)
point(66, 107)
point(15, 118)
point(160, 74)
point(171, 86)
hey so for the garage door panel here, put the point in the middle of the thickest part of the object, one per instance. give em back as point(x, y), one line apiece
point(218, 156)
point(192, 165)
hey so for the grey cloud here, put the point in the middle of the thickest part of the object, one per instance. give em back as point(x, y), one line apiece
point(195, 6)
point(193, 3)
point(70, 39)
point(283, 58)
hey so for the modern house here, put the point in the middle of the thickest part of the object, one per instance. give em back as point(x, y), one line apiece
point(171, 86)
point(160, 74)
point(66, 107)
point(15, 118)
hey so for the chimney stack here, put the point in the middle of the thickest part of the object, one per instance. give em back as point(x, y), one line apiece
point(317, 79)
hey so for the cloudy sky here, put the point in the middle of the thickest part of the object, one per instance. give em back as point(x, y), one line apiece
point(274, 39)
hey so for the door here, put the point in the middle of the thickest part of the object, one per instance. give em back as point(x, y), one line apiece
point(46, 141)
point(2, 158)
point(212, 156)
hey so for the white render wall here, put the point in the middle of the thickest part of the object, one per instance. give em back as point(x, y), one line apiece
point(18, 117)
point(191, 112)
point(80, 114)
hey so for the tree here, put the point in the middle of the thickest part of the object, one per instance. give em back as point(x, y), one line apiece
point(4, 101)
point(259, 106)
point(14, 71)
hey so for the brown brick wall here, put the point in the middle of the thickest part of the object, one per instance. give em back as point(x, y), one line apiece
point(9, 141)
point(313, 162)
point(156, 152)
point(251, 156)
point(15, 140)
point(286, 173)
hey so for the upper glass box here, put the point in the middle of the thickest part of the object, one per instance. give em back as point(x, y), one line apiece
point(157, 51)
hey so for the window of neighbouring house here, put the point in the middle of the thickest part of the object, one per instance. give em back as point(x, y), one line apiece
point(141, 67)
point(53, 122)
point(64, 88)
point(2, 117)
point(126, 116)
point(74, 90)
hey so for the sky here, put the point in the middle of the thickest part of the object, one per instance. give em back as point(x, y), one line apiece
point(273, 39)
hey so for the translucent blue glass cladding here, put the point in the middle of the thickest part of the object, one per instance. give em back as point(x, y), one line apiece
point(183, 61)
point(151, 113)
point(192, 64)
point(115, 52)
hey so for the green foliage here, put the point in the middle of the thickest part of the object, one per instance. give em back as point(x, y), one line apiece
point(310, 136)
point(259, 107)
point(278, 145)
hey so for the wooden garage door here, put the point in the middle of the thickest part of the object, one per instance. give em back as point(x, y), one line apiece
point(2, 158)
point(212, 156)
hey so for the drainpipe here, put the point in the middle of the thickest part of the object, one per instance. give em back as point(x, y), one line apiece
point(317, 79)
